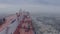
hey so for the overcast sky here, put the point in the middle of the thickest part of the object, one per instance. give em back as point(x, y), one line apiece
point(34, 6)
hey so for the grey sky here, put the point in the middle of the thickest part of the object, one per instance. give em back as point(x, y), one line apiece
point(30, 5)
point(54, 2)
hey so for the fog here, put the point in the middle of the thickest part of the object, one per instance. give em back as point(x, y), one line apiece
point(33, 6)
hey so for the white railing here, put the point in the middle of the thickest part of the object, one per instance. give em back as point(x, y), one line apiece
point(4, 31)
point(11, 28)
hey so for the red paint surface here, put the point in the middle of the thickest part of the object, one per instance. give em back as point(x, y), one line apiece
point(22, 27)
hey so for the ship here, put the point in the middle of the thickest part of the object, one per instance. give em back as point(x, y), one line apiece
point(18, 23)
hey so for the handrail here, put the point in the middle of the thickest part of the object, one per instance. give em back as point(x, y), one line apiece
point(7, 22)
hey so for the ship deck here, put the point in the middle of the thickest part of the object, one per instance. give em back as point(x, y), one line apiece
point(22, 28)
